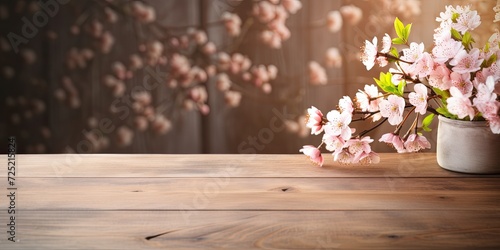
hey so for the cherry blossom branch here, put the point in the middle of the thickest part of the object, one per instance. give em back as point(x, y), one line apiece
point(371, 129)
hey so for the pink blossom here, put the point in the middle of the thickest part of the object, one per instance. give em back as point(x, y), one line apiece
point(280, 29)
point(232, 98)
point(485, 99)
point(119, 70)
point(106, 42)
point(317, 74)
point(424, 66)
point(333, 58)
point(142, 12)
point(280, 14)
point(358, 146)
point(416, 142)
point(95, 29)
point(313, 153)
point(497, 14)
point(161, 125)
point(200, 37)
point(413, 53)
point(291, 126)
point(392, 108)
point(461, 82)
point(495, 124)
point(111, 15)
point(446, 47)
point(459, 104)
point(292, 6)
point(198, 94)
point(260, 75)
point(386, 43)
point(345, 104)
point(351, 14)
point(465, 62)
point(179, 64)
point(382, 61)
point(223, 61)
point(393, 140)
point(440, 77)
point(369, 53)
point(204, 108)
point(232, 22)
point(419, 98)
point(135, 62)
point(333, 143)
point(266, 88)
point(369, 158)
point(124, 136)
point(142, 97)
point(270, 38)
point(272, 71)
point(343, 156)
point(467, 21)
point(209, 48)
point(338, 124)
point(493, 70)
point(485, 91)
point(198, 74)
point(222, 82)
point(264, 11)
point(334, 21)
point(141, 123)
point(211, 69)
point(369, 99)
point(118, 90)
point(314, 120)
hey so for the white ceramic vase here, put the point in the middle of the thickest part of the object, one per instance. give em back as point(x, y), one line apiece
point(467, 147)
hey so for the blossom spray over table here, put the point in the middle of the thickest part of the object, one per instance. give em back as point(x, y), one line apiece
point(455, 79)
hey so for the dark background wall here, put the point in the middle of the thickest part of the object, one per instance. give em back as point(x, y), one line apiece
point(42, 123)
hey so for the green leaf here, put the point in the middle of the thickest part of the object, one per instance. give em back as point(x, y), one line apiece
point(486, 48)
point(490, 61)
point(467, 40)
point(456, 35)
point(394, 52)
point(401, 87)
point(407, 31)
point(399, 27)
point(427, 121)
point(385, 83)
point(398, 40)
point(444, 111)
point(443, 93)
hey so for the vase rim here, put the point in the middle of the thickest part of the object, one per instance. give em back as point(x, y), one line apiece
point(462, 122)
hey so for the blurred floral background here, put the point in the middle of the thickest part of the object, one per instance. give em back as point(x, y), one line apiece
point(189, 76)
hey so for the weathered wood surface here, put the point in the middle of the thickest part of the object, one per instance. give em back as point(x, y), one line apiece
point(248, 202)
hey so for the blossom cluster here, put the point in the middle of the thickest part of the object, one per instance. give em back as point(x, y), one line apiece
point(454, 79)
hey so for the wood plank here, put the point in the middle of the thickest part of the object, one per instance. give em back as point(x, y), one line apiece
point(258, 194)
point(161, 165)
point(257, 230)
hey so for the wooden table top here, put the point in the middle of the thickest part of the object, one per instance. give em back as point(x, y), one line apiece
point(246, 202)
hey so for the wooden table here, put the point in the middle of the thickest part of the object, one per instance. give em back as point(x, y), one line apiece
point(247, 202)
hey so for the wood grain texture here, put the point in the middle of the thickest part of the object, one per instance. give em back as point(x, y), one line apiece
point(160, 165)
point(259, 194)
point(258, 230)
point(249, 202)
